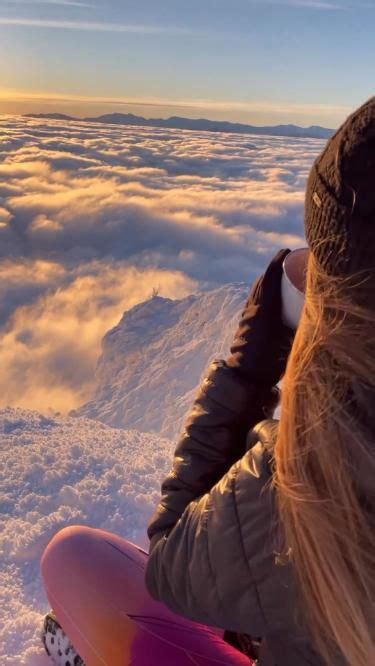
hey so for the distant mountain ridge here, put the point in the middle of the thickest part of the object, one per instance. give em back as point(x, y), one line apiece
point(201, 124)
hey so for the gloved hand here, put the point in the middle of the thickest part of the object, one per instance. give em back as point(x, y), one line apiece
point(262, 342)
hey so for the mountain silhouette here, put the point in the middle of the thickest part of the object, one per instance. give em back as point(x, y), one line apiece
point(200, 124)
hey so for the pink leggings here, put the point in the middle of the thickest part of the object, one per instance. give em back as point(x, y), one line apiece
point(94, 582)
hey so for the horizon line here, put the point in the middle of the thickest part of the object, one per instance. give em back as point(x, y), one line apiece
point(191, 104)
point(37, 114)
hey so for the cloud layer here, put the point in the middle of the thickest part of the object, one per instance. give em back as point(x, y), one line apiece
point(92, 26)
point(92, 217)
point(339, 5)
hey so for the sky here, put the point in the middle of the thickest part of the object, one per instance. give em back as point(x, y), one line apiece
point(257, 61)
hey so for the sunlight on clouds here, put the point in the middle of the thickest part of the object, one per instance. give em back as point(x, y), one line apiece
point(92, 217)
point(5, 216)
point(50, 348)
point(39, 271)
point(43, 223)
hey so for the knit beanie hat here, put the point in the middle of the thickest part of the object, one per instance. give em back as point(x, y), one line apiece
point(340, 198)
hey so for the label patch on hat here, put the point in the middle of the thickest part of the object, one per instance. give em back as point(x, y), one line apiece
point(317, 200)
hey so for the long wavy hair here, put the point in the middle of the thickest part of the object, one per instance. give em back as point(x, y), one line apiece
point(325, 464)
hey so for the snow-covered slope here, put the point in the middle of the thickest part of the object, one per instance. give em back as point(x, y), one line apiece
point(153, 360)
point(56, 472)
point(78, 470)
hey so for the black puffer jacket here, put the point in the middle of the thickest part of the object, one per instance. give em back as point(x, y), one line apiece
point(214, 554)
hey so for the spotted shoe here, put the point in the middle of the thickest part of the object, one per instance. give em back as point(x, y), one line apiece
point(57, 644)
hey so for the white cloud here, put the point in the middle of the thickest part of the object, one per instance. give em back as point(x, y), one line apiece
point(49, 349)
point(318, 4)
point(94, 216)
point(92, 26)
point(311, 4)
point(64, 3)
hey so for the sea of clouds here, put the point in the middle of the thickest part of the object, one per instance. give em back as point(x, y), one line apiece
point(93, 217)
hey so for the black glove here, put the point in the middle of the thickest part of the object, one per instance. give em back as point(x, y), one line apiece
point(262, 342)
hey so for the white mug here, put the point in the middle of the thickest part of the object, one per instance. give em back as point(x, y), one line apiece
point(293, 284)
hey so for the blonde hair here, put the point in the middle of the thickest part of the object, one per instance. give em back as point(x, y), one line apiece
point(325, 464)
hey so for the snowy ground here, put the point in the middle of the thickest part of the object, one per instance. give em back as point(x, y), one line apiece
point(153, 360)
point(59, 472)
point(81, 469)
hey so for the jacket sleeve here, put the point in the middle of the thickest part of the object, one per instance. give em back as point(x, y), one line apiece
point(205, 568)
point(214, 437)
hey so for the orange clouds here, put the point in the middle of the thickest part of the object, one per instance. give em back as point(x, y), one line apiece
point(93, 216)
point(49, 351)
point(5, 216)
point(39, 271)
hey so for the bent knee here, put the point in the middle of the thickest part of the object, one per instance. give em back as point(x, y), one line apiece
point(67, 545)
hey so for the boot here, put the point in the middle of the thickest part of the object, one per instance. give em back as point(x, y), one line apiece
point(57, 644)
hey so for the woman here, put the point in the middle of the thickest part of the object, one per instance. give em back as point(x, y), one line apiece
point(263, 529)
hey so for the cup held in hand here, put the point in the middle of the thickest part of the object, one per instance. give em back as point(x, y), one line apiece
point(293, 285)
